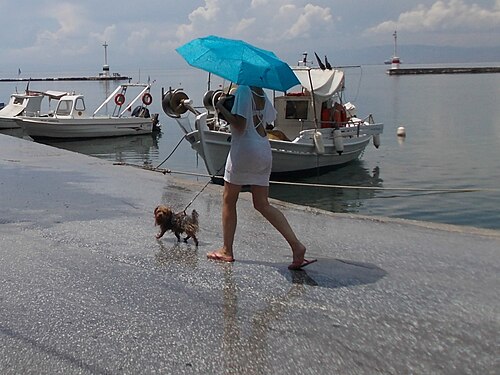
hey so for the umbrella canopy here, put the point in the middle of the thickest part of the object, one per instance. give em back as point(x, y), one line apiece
point(239, 62)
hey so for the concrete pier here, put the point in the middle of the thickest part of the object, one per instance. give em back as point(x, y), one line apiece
point(87, 289)
point(443, 70)
point(115, 77)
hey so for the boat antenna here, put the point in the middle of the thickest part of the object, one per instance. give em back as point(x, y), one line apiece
point(320, 63)
point(328, 65)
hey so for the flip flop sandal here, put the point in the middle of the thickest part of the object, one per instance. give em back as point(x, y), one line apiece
point(221, 258)
point(299, 265)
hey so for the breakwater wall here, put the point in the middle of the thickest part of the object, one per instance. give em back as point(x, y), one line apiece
point(443, 70)
point(91, 78)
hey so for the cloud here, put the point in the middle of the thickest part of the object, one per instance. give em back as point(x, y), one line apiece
point(108, 34)
point(69, 17)
point(64, 39)
point(444, 16)
point(309, 18)
point(264, 21)
point(199, 19)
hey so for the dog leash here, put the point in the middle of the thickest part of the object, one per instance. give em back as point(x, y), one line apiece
point(204, 187)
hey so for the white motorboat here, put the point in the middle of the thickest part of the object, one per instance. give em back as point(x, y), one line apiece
point(27, 104)
point(71, 119)
point(314, 130)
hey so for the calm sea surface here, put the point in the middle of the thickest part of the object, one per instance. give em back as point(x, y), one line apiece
point(453, 142)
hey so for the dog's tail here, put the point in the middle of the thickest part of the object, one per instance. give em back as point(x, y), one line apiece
point(194, 217)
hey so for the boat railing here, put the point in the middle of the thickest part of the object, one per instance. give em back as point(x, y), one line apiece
point(354, 127)
point(122, 89)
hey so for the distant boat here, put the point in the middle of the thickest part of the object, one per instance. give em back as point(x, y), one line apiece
point(26, 104)
point(70, 119)
point(395, 60)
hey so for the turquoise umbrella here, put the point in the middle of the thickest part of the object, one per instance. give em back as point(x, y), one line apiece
point(239, 62)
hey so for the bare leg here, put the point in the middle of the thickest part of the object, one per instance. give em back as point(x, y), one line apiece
point(278, 220)
point(229, 218)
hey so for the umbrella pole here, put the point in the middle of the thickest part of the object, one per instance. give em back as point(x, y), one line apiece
point(209, 83)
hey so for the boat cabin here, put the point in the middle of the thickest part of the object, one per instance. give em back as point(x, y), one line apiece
point(28, 104)
point(296, 111)
point(70, 106)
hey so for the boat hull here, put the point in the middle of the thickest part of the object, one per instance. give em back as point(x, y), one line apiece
point(288, 157)
point(8, 123)
point(86, 128)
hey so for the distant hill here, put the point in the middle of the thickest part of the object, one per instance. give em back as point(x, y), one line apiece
point(418, 54)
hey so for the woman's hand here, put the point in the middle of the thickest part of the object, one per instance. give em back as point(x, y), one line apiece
point(236, 121)
point(220, 101)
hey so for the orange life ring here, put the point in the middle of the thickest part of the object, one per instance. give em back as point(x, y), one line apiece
point(119, 99)
point(147, 99)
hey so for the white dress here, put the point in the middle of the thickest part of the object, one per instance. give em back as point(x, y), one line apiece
point(250, 159)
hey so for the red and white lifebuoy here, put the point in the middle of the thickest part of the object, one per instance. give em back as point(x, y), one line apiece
point(147, 99)
point(119, 99)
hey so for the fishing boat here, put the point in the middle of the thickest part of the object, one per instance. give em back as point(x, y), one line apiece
point(71, 120)
point(314, 129)
point(27, 104)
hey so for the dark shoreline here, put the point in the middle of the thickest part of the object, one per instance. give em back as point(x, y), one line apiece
point(443, 70)
point(91, 78)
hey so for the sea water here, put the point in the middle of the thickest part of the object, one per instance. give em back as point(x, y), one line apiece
point(452, 144)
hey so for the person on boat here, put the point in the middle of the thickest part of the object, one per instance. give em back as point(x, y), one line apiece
point(249, 163)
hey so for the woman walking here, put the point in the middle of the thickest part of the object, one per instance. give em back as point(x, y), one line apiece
point(249, 163)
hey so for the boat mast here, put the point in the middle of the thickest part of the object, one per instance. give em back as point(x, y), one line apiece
point(105, 67)
point(395, 35)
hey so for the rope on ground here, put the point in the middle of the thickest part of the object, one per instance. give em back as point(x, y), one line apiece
point(306, 184)
point(383, 188)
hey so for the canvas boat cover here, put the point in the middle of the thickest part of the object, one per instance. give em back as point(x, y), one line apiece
point(11, 110)
point(325, 83)
point(51, 94)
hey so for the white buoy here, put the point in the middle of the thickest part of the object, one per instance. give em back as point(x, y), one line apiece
point(338, 141)
point(318, 143)
point(401, 132)
point(376, 140)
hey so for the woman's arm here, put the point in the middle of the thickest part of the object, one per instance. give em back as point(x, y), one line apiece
point(237, 121)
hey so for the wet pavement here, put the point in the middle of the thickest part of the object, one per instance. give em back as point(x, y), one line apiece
point(87, 289)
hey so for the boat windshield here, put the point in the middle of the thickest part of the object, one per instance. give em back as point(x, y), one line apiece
point(296, 109)
point(79, 105)
point(64, 108)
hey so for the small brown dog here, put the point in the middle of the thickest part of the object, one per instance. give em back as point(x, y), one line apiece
point(176, 222)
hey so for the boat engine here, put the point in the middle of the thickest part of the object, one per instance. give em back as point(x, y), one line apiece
point(140, 111)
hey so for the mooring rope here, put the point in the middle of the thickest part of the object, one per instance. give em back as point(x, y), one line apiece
point(169, 155)
point(165, 171)
point(306, 184)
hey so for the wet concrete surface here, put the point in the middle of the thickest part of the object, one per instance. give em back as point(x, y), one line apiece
point(87, 289)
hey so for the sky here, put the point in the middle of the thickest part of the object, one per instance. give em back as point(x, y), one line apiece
point(58, 35)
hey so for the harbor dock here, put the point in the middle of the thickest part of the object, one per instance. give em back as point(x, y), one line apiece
point(86, 288)
point(114, 77)
point(443, 70)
